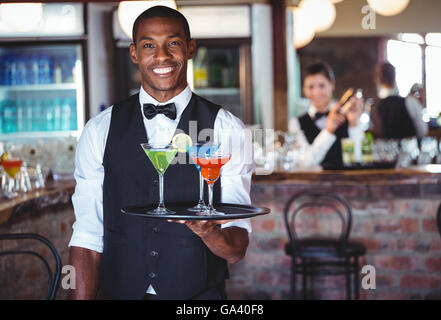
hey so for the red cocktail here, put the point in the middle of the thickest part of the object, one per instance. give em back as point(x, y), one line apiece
point(211, 166)
point(12, 166)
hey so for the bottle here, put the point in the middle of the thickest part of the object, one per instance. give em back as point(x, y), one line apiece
point(367, 153)
point(33, 73)
point(57, 114)
point(58, 77)
point(9, 117)
point(73, 115)
point(65, 114)
point(7, 75)
point(21, 70)
point(38, 116)
point(14, 71)
point(201, 68)
point(21, 114)
point(1, 120)
point(2, 70)
point(44, 70)
point(49, 115)
point(28, 114)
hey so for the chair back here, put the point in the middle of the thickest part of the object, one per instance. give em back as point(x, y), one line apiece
point(317, 202)
point(53, 277)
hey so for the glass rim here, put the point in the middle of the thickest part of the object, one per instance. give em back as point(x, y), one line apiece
point(157, 145)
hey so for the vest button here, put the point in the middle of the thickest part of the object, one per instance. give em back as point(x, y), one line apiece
point(154, 253)
point(152, 275)
point(155, 230)
point(155, 183)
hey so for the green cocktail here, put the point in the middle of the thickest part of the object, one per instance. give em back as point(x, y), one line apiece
point(161, 159)
point(160, 156)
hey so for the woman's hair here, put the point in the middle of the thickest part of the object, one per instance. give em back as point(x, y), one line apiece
point(385, 74)
point(320, 68)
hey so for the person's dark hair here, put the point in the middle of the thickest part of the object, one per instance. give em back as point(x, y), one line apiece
point(385, 74)
point(160, 12)
point(320, 68)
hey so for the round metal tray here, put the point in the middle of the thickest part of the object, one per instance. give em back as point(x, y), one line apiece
point(232, 211)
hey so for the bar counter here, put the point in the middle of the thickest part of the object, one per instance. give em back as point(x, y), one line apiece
point(394, 216)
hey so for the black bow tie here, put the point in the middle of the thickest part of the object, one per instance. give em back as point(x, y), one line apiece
point(150, 110)
point(319, 115)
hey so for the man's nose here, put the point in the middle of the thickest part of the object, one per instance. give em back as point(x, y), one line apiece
point(162, 53)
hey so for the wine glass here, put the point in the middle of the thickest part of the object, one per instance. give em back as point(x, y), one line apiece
point(160, 155)
point(199, 150)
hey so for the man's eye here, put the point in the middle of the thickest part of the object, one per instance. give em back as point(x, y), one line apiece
point(173, 43)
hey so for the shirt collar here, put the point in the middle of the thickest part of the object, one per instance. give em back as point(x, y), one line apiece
point(181, 100)
point(385, 92)
point(313, 110)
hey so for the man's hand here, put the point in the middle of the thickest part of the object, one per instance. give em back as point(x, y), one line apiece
point(228, 243)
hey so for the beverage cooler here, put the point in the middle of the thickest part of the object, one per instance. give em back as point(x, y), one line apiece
point(221, 68)
point(42, 90)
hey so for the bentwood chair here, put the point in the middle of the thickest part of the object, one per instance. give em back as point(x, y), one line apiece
point(321, 255)
point(438, 219)
point(53, 276)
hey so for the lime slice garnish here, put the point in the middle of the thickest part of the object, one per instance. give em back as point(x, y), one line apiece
point(181, 141)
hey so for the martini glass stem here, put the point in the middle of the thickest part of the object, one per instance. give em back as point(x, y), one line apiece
point(201, 189)
point(161, 192)
point(210, 197)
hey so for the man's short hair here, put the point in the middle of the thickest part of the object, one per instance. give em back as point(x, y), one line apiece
point(160, 12)
point(320, 68)
point(385, 74)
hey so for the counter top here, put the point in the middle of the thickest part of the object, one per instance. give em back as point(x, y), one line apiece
point(50, 195)
point(411, 175)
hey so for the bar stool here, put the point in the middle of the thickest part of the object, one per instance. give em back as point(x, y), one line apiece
point(53, 276)
point(322, 255)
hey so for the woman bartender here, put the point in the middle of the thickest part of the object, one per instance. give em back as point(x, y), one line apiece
point(322, 125)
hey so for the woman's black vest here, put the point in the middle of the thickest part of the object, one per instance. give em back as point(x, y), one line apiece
point(139, 251)
point(333, 157)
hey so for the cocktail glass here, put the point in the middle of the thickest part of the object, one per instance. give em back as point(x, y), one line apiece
point(211, 164)
point(11, 167)
point(161, 156)
point(198, 150)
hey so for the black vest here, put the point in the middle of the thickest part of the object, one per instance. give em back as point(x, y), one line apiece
point(333, 157)
point(392, 120)
point(139, 251)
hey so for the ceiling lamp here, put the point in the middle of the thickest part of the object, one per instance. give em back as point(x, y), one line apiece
point(304, 29)
point(321, 12)
point(389, 7)
point(21, 17)
point(128, 11)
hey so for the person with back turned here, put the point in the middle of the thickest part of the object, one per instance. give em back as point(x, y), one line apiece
point(120, 256)
point(395, 117)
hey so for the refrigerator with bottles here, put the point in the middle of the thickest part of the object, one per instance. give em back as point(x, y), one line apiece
point(42, 75)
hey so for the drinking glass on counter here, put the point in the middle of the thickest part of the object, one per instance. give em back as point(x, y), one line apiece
point(429, 151)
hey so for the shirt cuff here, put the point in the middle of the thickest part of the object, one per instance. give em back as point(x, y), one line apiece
point(242, 223)
point(87, 241)
point(325, 139)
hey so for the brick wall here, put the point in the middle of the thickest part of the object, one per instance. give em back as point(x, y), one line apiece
point(397, 224)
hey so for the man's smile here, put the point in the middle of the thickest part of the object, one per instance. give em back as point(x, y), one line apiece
point(163, 71)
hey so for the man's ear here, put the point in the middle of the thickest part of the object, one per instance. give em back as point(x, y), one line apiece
point(133, 54)
point(191, 48)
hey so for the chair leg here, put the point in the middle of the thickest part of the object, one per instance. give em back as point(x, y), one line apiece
point(356, 278)
point(293, 278)
point(304, 278)
point(348, 278)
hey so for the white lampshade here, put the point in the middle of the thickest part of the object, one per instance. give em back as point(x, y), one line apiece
point(321, 12)
point(21, 17)
point(389, 7)
point(128, 11)
point(304, 29)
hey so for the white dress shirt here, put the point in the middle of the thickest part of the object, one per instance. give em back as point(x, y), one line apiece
point(89, 171)
point(316, 152)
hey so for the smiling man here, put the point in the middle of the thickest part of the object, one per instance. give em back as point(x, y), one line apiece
point(128, 257)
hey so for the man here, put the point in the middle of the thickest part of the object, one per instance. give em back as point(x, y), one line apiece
point(131, 257)
point(395, 117)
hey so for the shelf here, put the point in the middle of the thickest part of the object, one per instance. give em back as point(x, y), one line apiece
point(217, 91)
point(40, 87)
point(39, 135)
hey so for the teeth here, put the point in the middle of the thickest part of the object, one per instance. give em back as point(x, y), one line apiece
point(162, 70)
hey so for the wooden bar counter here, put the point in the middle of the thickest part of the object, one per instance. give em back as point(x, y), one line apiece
point(394, 215)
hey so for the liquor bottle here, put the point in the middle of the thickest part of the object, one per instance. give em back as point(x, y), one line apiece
point(57, 114)
point(73, 115)
point(49, 115)
point(366, 148)
point(44, 72)
point(33, 72)
point(21, 115)
point(28, 116)
point(21, 70)
point(65, 114)
point(38, 116)
point(9, 117)
point(201, 68)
